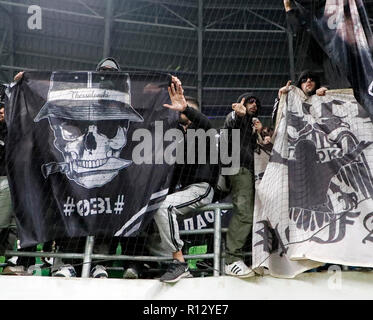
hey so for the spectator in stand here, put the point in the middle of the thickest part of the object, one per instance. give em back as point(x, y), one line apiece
point(265, 138)
point(308, 82)
point(192, 185)
point(8, 230)
point(7, 222)
point(243, 117)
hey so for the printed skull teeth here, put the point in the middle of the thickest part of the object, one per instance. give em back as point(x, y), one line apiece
point(94, 158)
point(91, 163)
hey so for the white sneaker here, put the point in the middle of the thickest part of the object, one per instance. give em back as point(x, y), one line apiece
point(99, 271)
point(12, 261)
point(131, 273)
point(66, 271)
point(239, 269)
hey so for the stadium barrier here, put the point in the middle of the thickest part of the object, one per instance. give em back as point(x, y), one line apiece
point(88, 256)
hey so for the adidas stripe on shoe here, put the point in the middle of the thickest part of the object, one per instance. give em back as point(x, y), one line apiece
point(239, 269)
point(66, 271)
point(99, 271)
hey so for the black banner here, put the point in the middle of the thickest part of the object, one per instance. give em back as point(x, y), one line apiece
point(72, 138)
point(343, 31)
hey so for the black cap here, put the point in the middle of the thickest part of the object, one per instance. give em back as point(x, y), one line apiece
point(309, 74)
point(109, 64)
point(247, 96)
point(72, 96)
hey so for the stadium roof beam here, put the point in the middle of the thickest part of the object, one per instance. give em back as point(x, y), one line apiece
point(88, 7)
point(224, 18)
point(179, 16)
point(266, 4)
point(262, 4)
point(79, 14)
point(132, 10)
point(172, 2)
point(15, 4)
point(114, 48)
point(48, 56)
point(266, 20)
point(282, 29)
point(154, 24)
point(245, 30)
point(93, 63)
point(4, 8)
point(17, 68)
point(145, 23)
point(37, 36)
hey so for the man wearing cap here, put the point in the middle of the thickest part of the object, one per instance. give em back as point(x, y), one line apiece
point(243, 117)
point(108, 64)
point(308, 82)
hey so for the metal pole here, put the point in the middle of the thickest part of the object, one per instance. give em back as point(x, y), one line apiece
point(12, 253)
point(200, 53)
point(2, 44)
point(291, 53)
point(11, 42)
point(88, 256)
point(244, 31)
point(108, 24)
point(217, 242)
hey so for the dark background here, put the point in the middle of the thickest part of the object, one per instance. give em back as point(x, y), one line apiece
point(245, 46)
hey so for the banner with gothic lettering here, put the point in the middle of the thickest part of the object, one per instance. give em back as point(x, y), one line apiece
point(314, 204)
point(87, 154)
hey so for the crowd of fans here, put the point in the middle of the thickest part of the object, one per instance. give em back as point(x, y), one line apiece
point(192, 186)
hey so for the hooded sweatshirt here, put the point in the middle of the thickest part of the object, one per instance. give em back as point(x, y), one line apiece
point(247, 136)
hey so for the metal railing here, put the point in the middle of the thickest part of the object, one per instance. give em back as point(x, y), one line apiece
point(88, 256)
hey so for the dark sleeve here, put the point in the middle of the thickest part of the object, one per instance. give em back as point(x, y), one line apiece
point(198, 119)
point(267, 147)
point(2, 149)
point(2, 92)
point(297, 19)
point(232, 121)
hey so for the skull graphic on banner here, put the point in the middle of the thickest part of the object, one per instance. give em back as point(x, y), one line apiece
point(89, 115)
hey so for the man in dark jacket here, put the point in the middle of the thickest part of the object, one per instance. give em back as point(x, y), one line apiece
point(243, 117)
point(308, 82)
point(192, 184)
point(7, 223)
